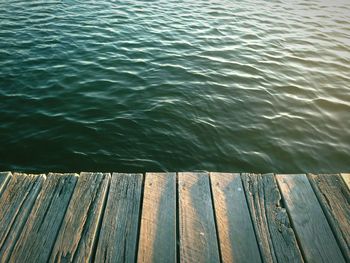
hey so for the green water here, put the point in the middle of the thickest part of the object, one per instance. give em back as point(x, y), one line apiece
point(165, 85)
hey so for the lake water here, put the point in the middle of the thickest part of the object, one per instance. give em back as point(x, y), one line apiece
point(173, 85)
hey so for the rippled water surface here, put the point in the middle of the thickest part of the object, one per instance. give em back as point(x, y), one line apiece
point(175, 85)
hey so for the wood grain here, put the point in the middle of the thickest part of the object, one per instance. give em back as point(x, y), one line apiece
point(119, 230)
point(313, 231)
point(334, 197)
point(16, 203)
point(275, 235)
point(78, 231)
point(158, 221)
point(4, 177)
point(346, 178)
point(192, 217)
point(198, 238)
point(236, 232)
point(39, 233)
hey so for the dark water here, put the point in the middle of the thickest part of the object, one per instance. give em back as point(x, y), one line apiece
point(175, 85)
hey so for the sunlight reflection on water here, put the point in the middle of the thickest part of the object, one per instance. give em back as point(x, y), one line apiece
point(175, 85)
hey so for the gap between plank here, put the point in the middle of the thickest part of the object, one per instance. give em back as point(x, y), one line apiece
point(140, 217)
point(177, 219)
point(214, 214)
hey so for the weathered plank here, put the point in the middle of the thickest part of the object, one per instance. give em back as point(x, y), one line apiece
point(77, 234)
point(40, 231)
point(4, 177)
point(312, 229)
point(346, 178)
point(236, 232)
point(157, 241)
point(118, 235)
point(334, 197)
point(16, 203)
point(198, 238)
point(276, 238)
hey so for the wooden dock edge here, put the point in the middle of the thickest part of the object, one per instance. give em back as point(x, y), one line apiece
point(174, 217)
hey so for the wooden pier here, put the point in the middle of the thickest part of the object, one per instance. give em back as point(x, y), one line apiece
point(174, 217)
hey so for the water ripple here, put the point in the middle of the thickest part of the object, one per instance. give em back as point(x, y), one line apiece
point(175, 85)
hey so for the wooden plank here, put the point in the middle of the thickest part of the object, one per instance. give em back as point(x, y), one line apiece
point(16, 203)
point(4, 177)
point(236, 232)
point(346, 178)
point(157, 241)
point(39, 234)
point(276, 237)
point(312, 229)
point(198, 239)
point(334, 197)
point(118, 235)
point(77, 234)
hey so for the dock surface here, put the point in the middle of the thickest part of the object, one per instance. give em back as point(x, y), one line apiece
point(174, 217)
